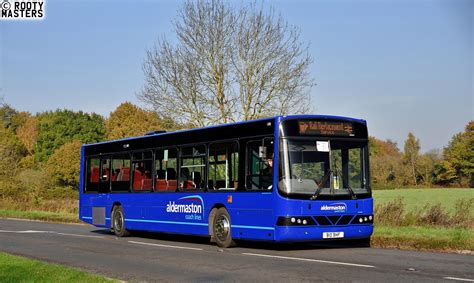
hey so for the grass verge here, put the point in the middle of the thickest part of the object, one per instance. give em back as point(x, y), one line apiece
point(41, 215)
point(21, 269)
point(424, 238)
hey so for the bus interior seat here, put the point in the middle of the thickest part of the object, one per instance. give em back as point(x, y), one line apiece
point(161, 184)
point(137, 180)
point(147, 184)
point(94, 175)
point(126, 174)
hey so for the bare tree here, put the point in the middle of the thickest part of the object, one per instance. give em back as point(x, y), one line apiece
point(228, 64)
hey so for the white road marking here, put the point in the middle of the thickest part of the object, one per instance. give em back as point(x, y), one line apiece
point(77, 235)
point(25, 231)
point(311, 260)
point(166, 246)
point(459, 279)
point(49, 232)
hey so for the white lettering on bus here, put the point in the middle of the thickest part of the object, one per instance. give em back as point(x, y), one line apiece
point(183, 208)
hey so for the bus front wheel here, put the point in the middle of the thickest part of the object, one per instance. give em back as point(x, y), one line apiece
point(222, 229)
point(118, 220)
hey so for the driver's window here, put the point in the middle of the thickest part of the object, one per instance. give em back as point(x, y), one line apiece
point(259, 175)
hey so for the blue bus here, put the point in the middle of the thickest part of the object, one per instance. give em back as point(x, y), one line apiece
point(284, 179)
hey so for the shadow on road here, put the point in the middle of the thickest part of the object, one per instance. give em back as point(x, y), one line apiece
point(177, 238)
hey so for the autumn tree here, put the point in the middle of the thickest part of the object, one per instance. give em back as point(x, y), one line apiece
point(130, 120)
point(411, 153)
point(63, 165)
point(458, 164)
point(27, 133)
point(11, 151)
point(63, 126)
point(385, 162)
point(227, 64)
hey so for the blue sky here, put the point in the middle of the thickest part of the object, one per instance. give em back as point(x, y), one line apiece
point(402, 65)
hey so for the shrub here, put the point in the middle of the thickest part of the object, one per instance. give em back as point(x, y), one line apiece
point(390, 213)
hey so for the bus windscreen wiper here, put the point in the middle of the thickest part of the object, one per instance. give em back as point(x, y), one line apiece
point(351, 192)
point(320, 185)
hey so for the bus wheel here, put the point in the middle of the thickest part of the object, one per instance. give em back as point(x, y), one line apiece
point(221, 229)
point(118, 219)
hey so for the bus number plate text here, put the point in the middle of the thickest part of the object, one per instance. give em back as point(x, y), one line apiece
point(333, 235)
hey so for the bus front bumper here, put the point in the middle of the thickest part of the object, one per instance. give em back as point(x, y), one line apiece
point(316, 233)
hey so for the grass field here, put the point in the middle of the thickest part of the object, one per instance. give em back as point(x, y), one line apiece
point(423, 238)
point(415, 199)
point(41, 215)
point(20, 269)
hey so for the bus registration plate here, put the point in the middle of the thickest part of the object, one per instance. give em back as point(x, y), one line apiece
point(333, 235)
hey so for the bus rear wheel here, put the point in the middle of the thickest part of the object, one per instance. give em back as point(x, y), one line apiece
point(222, 229)
point(118, 222)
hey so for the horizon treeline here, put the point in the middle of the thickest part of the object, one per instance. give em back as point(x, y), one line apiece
point(41, 152)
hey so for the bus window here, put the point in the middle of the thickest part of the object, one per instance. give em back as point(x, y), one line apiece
point(223, 166)
point(104, 180)
point(165, 165)
point(260, 164)
point(121, 173)
point(193, 168)
point(92, 174)
point(142, 170)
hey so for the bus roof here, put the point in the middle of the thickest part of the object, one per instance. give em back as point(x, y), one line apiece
point(275, 118)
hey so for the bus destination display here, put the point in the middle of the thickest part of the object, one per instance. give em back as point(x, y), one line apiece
point(325, 128)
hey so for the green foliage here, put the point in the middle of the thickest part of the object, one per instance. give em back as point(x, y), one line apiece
point(11, 151)
point(458, 163)
point(20, 269)
point(6, 114)
point(130, 120)
point(63, 165)
point(63, 126)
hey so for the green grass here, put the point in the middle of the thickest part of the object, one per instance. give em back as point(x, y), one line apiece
point(20, 269)
point(416, 198)
point(423, 238)
point(40, 215)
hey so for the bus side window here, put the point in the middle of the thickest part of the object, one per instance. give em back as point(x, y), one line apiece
point(165, 170)
point(223, 166)
point(192, 168)
point(92, 184)
point(259, 175)
point(120, 173)
point(142, 168)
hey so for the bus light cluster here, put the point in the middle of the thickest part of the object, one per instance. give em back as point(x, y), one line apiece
point(295, 221)
point(363, 219)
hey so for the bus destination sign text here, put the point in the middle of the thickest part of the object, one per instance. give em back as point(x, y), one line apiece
point(325, 128)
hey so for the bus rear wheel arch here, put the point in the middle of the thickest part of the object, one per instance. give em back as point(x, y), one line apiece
point(221, 228)
point(118, 222)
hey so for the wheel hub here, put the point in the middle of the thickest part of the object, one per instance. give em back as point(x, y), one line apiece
point(222, 228)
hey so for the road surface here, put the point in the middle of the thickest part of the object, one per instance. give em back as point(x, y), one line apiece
point(160, 257)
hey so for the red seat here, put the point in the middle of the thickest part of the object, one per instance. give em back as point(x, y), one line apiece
point(147, 184)
point(94, 175)
point(172, 185)
point(126, 174)
point(137, 180)
point(161, 185)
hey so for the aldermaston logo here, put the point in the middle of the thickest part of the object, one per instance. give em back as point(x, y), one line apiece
point(335, 207)
point(191, 206)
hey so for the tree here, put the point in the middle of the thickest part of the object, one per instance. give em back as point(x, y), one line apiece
point(6, 114)
point(27, 133)
point(411, 154)
point(130, 120)
point(63, 126)
point(11, 151)
point(63, 165)
point(227, 65)
point(458, 163)
point(385, 162)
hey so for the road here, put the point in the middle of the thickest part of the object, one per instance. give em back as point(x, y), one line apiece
point(160, 257)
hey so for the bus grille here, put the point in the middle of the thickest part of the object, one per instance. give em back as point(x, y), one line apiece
point(333, 220)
